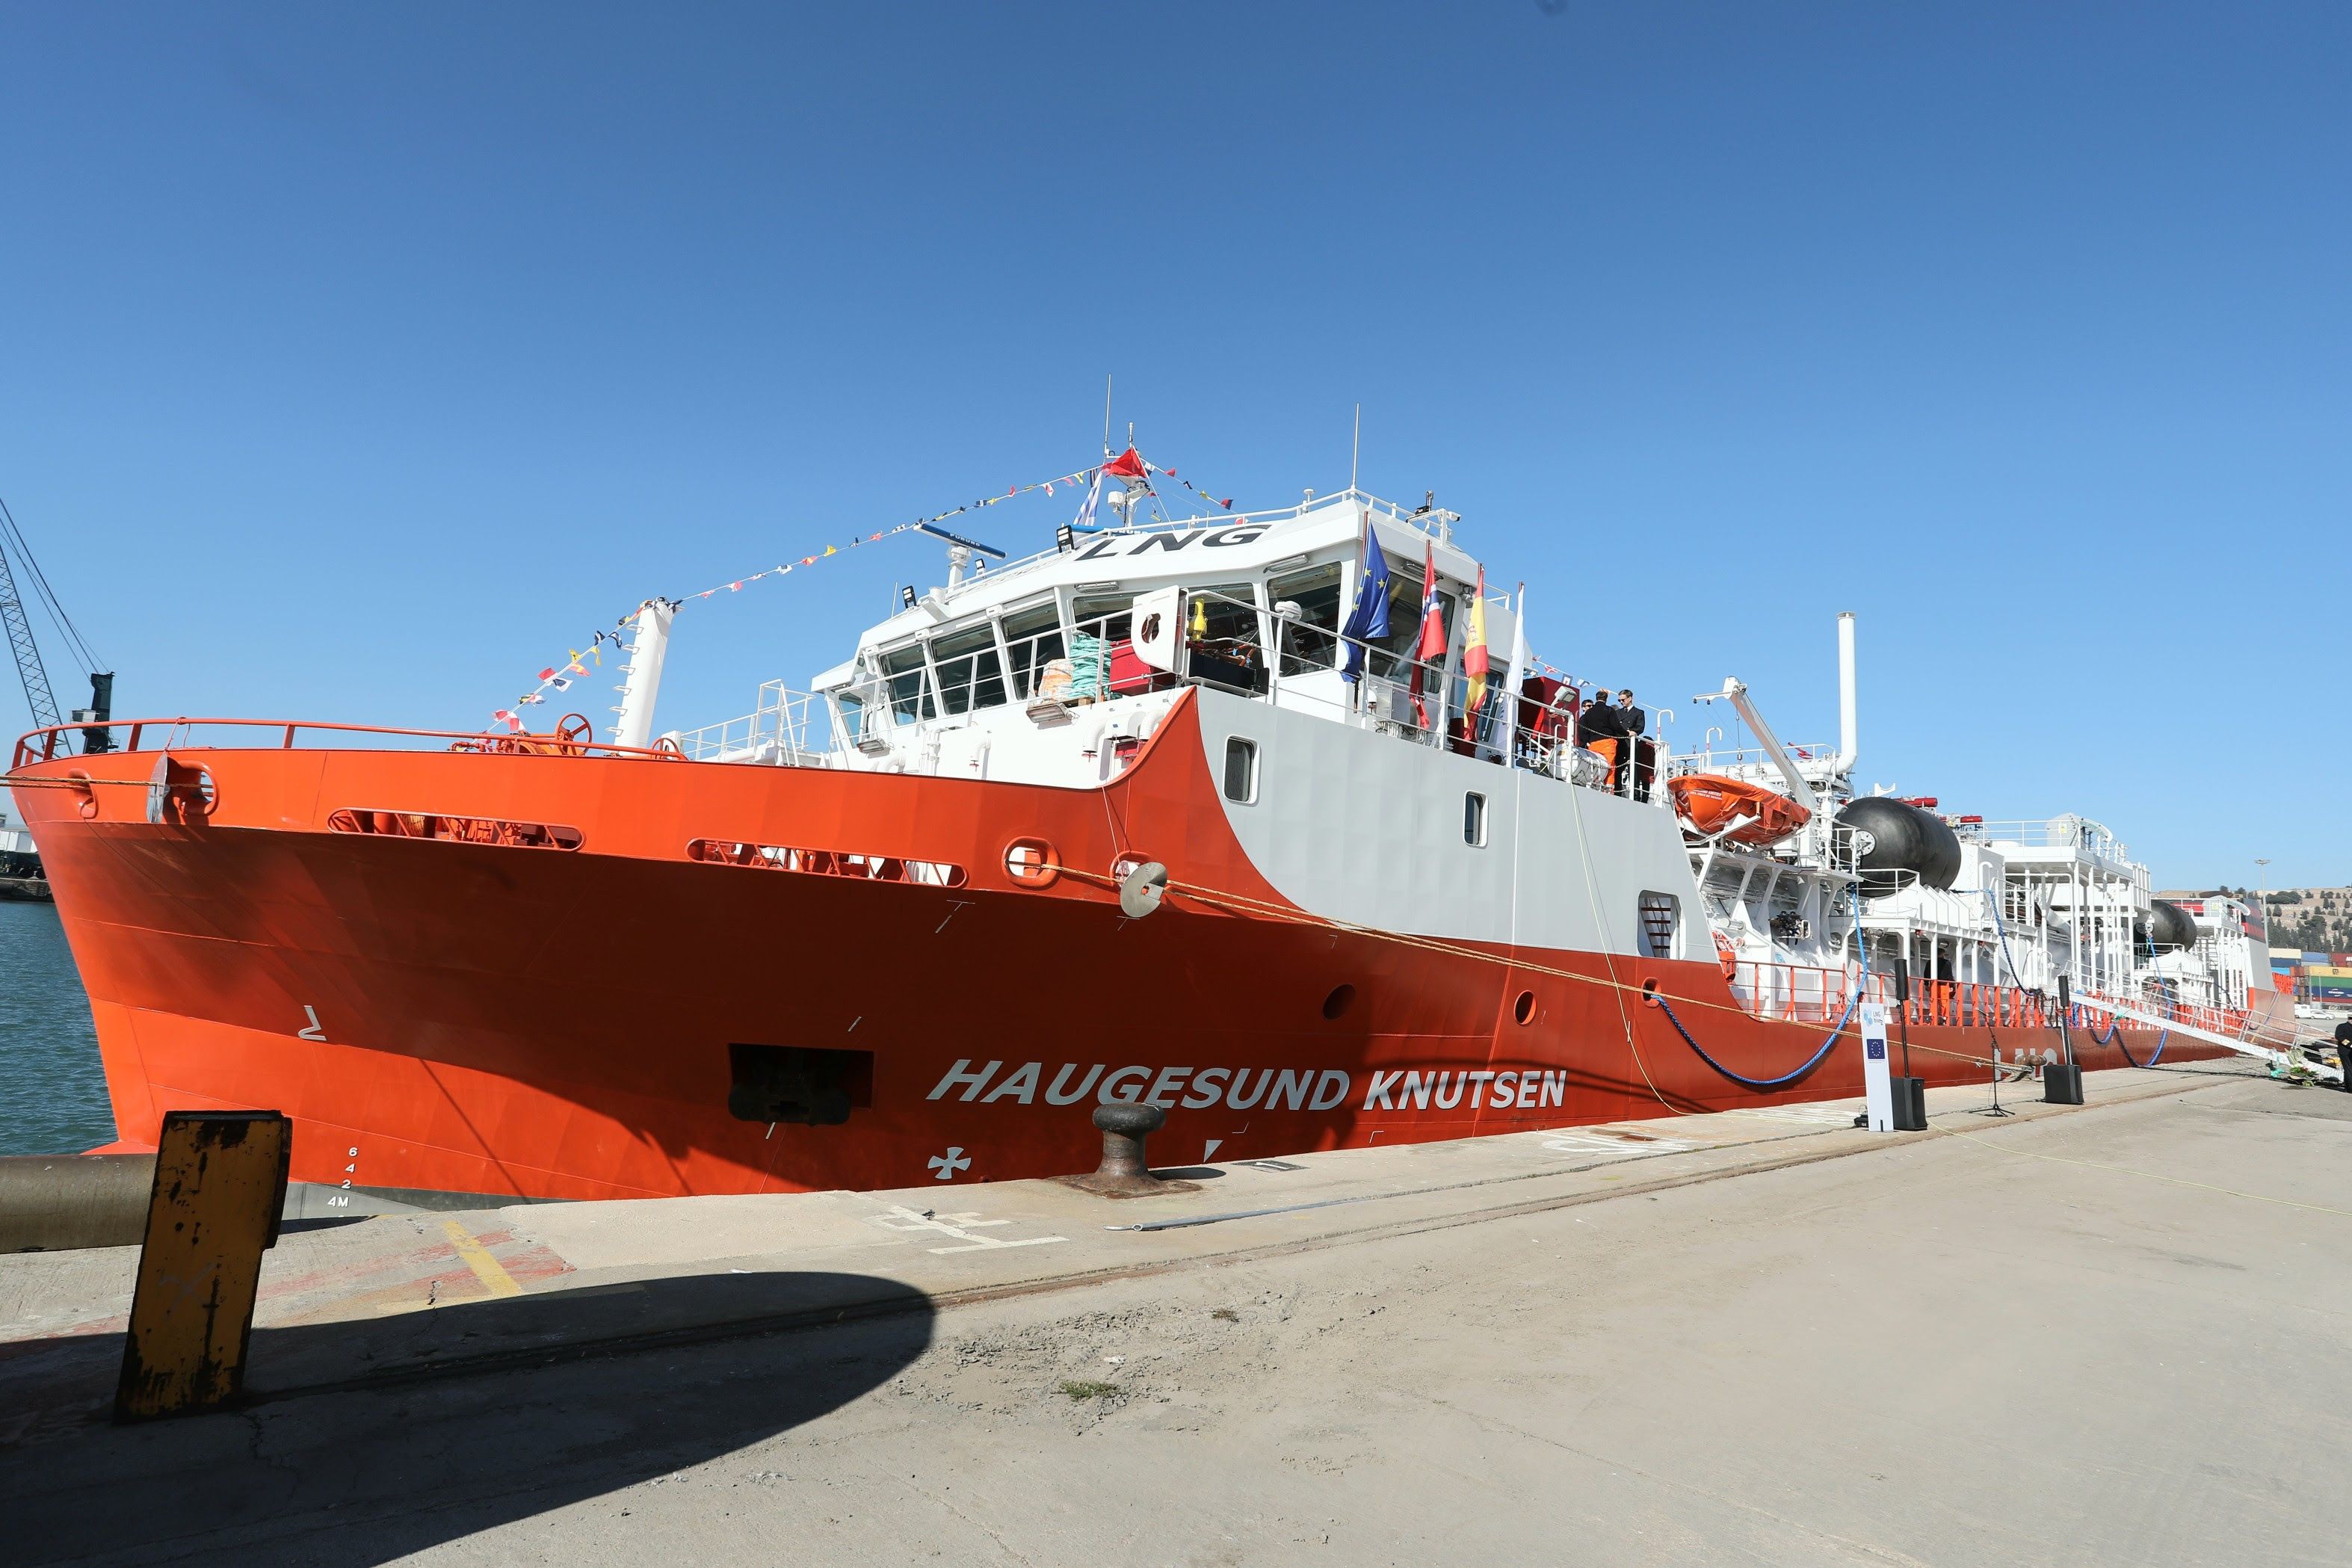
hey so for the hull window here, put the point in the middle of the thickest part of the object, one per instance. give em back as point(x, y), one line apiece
point(1474, 820)
point(1241, 769)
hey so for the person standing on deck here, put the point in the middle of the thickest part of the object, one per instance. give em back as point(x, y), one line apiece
point(1599, 721)
point(1633, 721)
point(2344, 1051)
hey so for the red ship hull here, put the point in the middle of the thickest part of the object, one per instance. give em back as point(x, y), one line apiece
point(543, 1021)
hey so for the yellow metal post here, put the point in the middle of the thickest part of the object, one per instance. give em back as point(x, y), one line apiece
point(220, 1186)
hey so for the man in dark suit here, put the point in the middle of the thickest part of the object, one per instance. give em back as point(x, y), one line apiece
point(1600, 721)
point(2344, 1051)
point(1634, 723)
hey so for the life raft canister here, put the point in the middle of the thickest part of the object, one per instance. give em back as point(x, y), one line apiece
point(1711, 803)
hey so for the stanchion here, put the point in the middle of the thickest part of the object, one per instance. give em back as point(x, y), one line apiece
point(1910, 1093)
point(220, 1186)
point(2061, 1082)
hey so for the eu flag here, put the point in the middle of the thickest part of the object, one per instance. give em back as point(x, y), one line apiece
point(1367, 621)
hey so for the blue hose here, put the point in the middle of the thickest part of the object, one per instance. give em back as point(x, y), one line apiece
point(2163, 1035)
point(1786, 1078)
point(2115, 1025)
point(2001, 928)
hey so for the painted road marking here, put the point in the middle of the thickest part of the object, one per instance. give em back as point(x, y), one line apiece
point(477, 1257)
point(1581, 1144)
point(960, 1225)
point(1811, 1115)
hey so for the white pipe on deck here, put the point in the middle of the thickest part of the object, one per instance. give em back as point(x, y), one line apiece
point(641, 682)
point(1849, 721)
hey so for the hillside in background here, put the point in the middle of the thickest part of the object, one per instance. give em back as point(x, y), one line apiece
point(2316, 919)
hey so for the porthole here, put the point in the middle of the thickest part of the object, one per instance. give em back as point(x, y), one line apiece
point(1523, 1011)
point(1474, 820)
point(1241, 769)
point(1342, 997)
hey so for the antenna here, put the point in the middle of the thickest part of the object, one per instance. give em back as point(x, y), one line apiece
point(1357, 450)
point(1105, 416)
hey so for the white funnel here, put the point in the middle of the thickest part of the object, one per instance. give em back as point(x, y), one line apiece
point(1849, 724)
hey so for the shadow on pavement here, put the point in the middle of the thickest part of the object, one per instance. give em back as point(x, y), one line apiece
point(370, 1440)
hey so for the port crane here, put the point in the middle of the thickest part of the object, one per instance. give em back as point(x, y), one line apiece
point(38, 695)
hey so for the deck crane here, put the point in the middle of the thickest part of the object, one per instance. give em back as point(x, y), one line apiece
point(29, 668)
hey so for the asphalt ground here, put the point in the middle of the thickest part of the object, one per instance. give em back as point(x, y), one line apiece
point(2112, 1335)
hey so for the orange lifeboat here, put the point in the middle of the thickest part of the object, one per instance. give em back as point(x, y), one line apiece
point(1711, 803)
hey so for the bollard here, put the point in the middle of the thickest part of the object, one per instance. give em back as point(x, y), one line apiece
point(1123, 1172)
point(220, 1187)
point(55, 1202)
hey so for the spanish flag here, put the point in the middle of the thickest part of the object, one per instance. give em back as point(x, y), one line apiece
point(1473, 648)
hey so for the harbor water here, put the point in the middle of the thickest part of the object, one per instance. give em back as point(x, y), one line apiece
point(52, 1092)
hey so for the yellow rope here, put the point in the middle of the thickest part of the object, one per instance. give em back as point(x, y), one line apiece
point(1242, 904)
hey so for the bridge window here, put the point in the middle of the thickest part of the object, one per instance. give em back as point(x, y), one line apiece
point(1241, 769)
point(910, 689)
point(971, 675)
point(1034, 638)
point(1311, 641)
point(1221, 636)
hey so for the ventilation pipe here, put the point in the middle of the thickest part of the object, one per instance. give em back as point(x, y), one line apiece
point(641, 681)
point(1849, 726)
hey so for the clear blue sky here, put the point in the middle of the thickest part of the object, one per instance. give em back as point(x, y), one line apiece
point(359, 360)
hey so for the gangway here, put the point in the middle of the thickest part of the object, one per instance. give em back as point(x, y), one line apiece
point(2275, 1056)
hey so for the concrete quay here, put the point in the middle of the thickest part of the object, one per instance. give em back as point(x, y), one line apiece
point(2106, 1335)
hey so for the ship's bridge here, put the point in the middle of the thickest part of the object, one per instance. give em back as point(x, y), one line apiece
point(994, 672)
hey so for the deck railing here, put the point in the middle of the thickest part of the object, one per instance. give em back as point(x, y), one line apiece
point(1803, 994)
point(56, 741)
